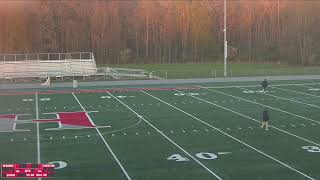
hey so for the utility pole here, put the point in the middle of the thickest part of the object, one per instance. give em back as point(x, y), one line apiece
point(225, 39)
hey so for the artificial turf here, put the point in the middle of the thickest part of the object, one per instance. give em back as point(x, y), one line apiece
point(199, 132)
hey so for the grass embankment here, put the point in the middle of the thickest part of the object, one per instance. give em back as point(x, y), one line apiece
point(206, 70)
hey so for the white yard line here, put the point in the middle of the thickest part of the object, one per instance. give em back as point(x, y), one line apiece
point(309, 86)
point(105, 142)
point(298, 92)
point(261, 104)
point(230, 136)
point(165, 136)
point(38, 132)
point(276, 85)
point(279, 97)
point(259, 122)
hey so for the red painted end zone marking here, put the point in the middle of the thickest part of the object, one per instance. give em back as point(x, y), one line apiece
point(77, 118)
point(8, 116)
point(70, 118)
point(95, 91)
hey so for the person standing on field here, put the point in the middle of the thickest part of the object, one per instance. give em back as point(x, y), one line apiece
point(265, 118)
point(264, 85)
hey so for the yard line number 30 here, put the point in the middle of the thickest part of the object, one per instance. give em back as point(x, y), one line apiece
point(313, 149)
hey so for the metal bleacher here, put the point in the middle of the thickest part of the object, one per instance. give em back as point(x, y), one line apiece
point(42, 65)
point(121, 73)
point(117, 73)
point(36, 66)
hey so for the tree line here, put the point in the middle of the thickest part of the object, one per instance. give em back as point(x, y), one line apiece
point(161, 31)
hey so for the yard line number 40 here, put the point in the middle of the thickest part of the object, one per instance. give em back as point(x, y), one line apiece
point(201, 155)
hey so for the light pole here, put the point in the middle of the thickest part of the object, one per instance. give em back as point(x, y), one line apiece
point(225, 39)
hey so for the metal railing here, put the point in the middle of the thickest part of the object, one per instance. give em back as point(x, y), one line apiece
point(46, 56)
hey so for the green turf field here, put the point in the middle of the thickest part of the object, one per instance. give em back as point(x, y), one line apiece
point(194, 132)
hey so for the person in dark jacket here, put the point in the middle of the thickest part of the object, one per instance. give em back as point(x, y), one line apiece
point(264, 85)
point(265, 118)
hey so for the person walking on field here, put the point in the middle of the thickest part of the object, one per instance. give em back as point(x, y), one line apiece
point(265, 118)
point(264, 85)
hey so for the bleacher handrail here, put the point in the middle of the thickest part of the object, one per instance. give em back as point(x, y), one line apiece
point(40, 56)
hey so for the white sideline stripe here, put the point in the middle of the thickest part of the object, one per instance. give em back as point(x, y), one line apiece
point(261, 104)
point(301, 84)
point(38, 132)
point(291, 134)
point(105, 142)
point(69, 112)
point(16, 130)
point(309, 86)
point(23, 121)
point(312, 105)
point(60, 129)
point(298, 92)
point(155, 128)
point(230, 136)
